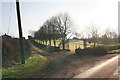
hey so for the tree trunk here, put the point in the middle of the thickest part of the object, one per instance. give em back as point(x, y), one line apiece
point(43, 41)
point(84, 43)
point(63, 44)
point(46, 42)
point(49, 42)
point(94, 44)
point(54, 43)
point(68, 45)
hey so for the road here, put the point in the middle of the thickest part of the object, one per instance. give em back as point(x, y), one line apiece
point(67, 65)
point(108, 69)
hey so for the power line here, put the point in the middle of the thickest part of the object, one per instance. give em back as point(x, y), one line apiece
point(9, 17)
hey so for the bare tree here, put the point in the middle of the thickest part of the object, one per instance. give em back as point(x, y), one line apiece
point(110, 36)
point(31, 32)
point(82, 36)
point(65, 26)
point(108, 33)
point(54, 28)
point(77, 35)
point(93, 34)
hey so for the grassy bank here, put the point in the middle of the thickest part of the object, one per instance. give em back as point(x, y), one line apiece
point(35, 63)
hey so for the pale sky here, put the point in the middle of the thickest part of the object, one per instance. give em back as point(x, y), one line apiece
point(102, 13)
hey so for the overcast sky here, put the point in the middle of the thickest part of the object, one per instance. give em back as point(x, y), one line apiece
point(102, 13)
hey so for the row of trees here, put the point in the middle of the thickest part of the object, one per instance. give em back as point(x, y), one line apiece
point(60, 26)
point(108, 37)
point(57, 27)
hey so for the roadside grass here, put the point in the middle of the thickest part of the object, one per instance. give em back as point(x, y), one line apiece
point(35, 63)
point(0, 74)
point(114, 51)
point(111, 47)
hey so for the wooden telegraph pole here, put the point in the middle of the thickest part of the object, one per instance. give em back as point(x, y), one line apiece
point(20, 32)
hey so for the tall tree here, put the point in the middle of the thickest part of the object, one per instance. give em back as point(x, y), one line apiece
point(56, 27)
point(65, 26)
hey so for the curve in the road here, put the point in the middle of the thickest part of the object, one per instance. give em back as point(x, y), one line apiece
point(104, 70)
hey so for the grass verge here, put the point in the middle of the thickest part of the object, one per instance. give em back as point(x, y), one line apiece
point(35, 63)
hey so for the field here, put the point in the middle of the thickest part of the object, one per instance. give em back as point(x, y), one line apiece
point(78, 44)
point(73, 44)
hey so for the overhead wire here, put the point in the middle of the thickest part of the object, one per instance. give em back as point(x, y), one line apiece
point(9, 18)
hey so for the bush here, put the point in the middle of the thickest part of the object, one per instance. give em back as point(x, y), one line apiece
point(98, 51)
point(92, 51)
point(79, 51)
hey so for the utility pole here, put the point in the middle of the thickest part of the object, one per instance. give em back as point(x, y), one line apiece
point(20, 32)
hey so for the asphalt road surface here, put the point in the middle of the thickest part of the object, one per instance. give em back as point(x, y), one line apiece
point(108, 69)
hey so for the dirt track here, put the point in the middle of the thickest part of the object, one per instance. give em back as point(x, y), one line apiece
point(67, 65)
